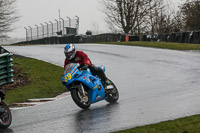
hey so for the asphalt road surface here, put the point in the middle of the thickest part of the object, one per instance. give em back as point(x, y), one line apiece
point(154, 85)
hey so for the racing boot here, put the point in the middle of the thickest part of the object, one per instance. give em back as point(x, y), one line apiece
point(105, 84)
point(108, 82)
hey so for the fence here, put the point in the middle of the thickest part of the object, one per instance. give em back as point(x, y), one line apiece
point(107, 37)
point(50, 29)
point(179, 37)
point(6, 71)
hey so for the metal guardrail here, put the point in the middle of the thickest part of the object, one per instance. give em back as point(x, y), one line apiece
point(6, 71)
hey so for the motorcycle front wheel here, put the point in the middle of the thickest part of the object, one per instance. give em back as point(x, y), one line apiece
point(112, 94)
point(81, 100)
point(5, 115)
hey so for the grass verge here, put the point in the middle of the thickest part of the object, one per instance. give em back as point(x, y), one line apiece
point(45, 80)
point(184, 125)
point(163, 45)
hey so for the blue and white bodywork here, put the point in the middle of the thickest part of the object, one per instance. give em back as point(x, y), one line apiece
point(86, 88)
point(94, 86)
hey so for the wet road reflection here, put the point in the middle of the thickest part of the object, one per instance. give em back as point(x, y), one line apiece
point(96, 119)
point(6, 130)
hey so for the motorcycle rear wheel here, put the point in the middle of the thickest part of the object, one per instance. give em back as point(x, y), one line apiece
point(5, 115)
point(112, 95)
point(81, 100)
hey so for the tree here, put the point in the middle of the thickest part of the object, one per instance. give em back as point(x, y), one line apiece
point(177, 22)
point(164, 20)
point(191, 14)
point(119, 15)
point(130, 16)
point(95, 28)
point(8, 15)
point(156, 17)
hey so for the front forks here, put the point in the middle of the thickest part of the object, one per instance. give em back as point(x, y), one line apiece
point(80, 89)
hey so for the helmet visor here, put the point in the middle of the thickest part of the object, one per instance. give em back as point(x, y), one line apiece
point(69, 55)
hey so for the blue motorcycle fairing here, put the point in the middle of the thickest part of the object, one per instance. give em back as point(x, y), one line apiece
point(102, 67)
point(96, 91)
point(68, 76)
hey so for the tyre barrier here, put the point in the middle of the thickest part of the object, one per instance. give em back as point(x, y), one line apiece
point(6, 71)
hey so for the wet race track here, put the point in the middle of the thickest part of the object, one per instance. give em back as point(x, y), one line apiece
point(154, 85)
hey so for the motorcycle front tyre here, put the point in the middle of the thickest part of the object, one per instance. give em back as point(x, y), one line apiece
point(5, 117)
point(77, 99)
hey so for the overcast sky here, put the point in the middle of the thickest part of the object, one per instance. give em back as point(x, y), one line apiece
point(39, 11)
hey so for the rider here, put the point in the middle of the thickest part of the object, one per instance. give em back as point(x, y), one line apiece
point(73, 56)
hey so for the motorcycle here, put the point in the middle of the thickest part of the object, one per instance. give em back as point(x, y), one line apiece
point(5, 114)
point(86, 88)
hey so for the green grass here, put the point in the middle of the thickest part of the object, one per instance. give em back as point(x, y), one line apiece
point(45, 80)
point(184, 125)
point(163, 45)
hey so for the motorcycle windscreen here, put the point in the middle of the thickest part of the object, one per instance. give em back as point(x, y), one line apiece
point(69, 67)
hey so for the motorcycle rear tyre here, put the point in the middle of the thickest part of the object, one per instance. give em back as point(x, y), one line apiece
point(112, 98)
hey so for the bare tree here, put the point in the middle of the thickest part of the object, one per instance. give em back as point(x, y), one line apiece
point(131, 16)
point(156, 16)
point(95, 28)
point(8, 15)
point(163, 19)
point(177, 22)
point(191, 14)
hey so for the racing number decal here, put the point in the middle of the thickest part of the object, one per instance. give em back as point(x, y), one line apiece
point(68, 77)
